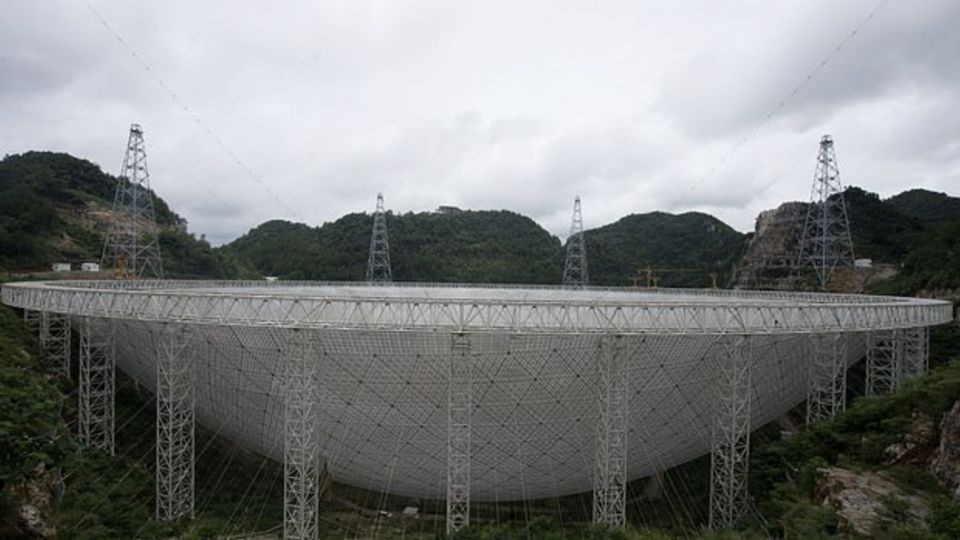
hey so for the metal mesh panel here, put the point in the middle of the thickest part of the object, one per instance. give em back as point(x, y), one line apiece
point(534, 415)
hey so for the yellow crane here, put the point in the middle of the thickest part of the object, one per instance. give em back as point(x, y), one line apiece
point(651, 278)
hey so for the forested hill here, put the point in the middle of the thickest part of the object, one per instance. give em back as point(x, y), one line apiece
point(488, 246)
point(686, 247)
point(54, 208)
point(916, 230)
point(467, 246)
point(928, 207)
point(886, 230)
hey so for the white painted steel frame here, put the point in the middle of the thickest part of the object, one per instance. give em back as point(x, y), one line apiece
point(54, 337)
point(730, 448)
point(826, 377)
point(378, 264)
point(32, 319)
point(610, 477)
point(721, 313)
point(916, 352)
point(96, 389)
point(459, 404)
point(132, 244)
point(884, 362)
point(175, 423)
point(825, 241)
point(412, 317)
point(575, 272)
point(301, 449)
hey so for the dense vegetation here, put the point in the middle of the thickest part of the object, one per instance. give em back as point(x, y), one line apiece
point(31, 431)
point(917, 231)
point(50, 204)
point(111, 496)
point(52, 207)
point(880, 231)
point(470, 246)
point(928, 207)
point(932, 264)
point(47, 201)
point(489, 246)
point(782, 473)
point(690, 241)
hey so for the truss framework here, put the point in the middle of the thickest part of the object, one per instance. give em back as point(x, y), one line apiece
point(825, 242)
point(723, 312)
point(826, 377)
point(175, 423)
point(54, 333)
point(575, 268)
point(730, 445)
point(301, 459)
point(32, 320)
point(97, 376)
point(610, 477)
point(459, 403)
point(884, 362)
point(131, 246)
point(916, 352)
point(378, 265)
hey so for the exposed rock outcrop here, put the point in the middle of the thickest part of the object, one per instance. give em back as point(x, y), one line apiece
point(858, 498)
point(945, 462)
point(37, 497)
point(918, 443)
point(773, 249)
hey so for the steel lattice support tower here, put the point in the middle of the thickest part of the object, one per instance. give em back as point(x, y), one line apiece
point(301, 459)
point(32, 319)
point(826, 377)
point(175, 424)
point(884, 362)
point(730, 445)
point(54, 333)
point(575, 267)
point(97, 375)
point(825, 240)
point(610, 476)
point(131, 246)
point(378, 265)
point(459, 402)
point(916, 351)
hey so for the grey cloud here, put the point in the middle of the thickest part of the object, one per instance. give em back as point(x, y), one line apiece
point(716, 92)
point(496, 105)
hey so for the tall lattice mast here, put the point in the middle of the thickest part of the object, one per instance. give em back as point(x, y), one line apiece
point(131, 246)
point(378, 266)
point(825, 242)
point(575, 268)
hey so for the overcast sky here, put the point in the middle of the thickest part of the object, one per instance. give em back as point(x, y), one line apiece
point(305, 110)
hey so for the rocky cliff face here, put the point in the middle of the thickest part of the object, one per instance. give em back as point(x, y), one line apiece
point(859, 498)
point(863, 499)
point(945, 461)
point(773, 249)
point(770, 261)
point(36, 497)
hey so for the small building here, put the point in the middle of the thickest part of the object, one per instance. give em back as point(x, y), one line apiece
point(271, 279)
point(863, 263)
point(90, 267)
point(448, 210)
point(61, 267)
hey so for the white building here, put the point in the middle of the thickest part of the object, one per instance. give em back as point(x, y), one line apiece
point(61, 267)
point(90, 267)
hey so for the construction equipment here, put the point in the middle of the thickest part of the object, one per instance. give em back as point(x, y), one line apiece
point(650, 277)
